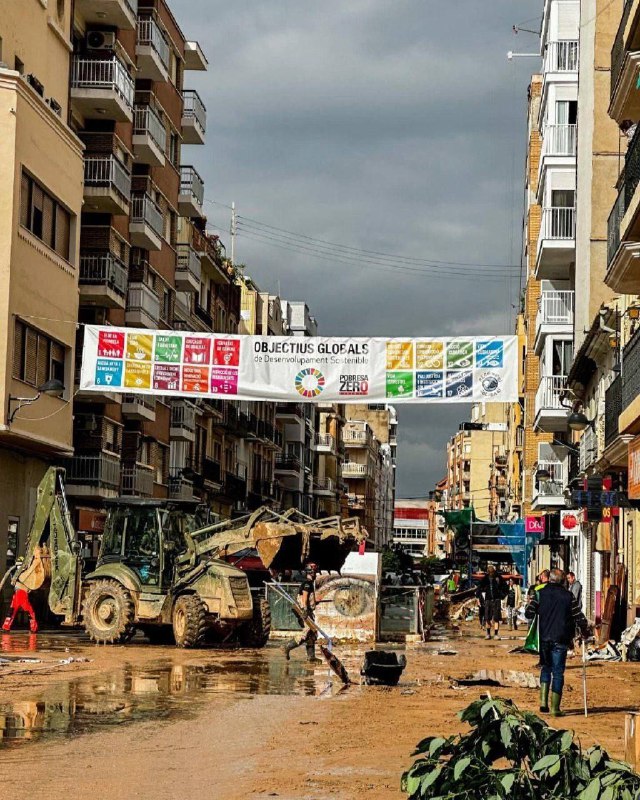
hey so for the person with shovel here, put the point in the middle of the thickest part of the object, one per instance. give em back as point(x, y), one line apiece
point(559, 615)
point(307, 602)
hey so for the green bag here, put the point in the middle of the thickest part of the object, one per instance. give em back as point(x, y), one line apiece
point(532, 643)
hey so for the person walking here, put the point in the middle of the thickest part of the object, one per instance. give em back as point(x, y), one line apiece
point(558, 617)
point(491, 590)
point(513, 601)
point(575, 587)
point(307, 602)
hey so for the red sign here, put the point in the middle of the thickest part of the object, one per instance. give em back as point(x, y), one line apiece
point(197, 350)
point(111, 344)
point(91, 521)
point(166, 377)
point(569, 523)
point(411, 513)
point(195, 379)
point(226, 352)
point(534, 524)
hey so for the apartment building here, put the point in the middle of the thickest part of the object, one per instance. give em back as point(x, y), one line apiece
point(42, 172)
point(415, 527)
point(478, 464)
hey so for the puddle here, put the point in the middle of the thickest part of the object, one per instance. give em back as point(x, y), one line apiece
point(161, 691)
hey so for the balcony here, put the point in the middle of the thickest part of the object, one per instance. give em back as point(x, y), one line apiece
point(625, 63)
point(549, 492)
point(143, 307)
point(558, 149)
point(615, 443)
point(194, 58)
point(107, 185)
point(235, 485)
point(352, 470)
point(145, 224)
point(290, 411)
point(561, 60)
point(204, 316)
point(623, 227)
point(194, 118)
point(183, 421)
point(101, 88)
point(324, 487)
point(93, 476)
point(550, 414)
point(115, 13)
point(288, 464)
point(555, 315)
point(152, 50)
point(630, 376)
point(149, 136)
point(556, 243)
point(180, 488)
point(325, 443)
point(141, 407)
point(355, 438)
point(188, 269)
point(137, 480)
point(191, 195)
point(211, 472)
point(103, 280)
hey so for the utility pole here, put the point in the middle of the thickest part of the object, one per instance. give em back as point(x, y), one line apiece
point(233, 234)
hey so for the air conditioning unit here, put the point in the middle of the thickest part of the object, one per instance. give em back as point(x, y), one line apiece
point(101, 40)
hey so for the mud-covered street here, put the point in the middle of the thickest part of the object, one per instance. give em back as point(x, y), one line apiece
point(158, 722)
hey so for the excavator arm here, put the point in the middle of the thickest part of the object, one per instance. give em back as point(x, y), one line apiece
point(52, 556)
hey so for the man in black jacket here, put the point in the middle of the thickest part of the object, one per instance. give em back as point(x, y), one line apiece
point(558, 617)
point(492, 590)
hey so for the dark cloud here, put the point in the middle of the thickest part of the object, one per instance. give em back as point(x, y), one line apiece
point(390, 126)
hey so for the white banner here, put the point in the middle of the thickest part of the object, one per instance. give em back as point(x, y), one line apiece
point(298, 369)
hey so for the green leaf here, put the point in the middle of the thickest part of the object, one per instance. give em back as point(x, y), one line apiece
point(507, 781)
point(618, 766)
point(545, 762)
point(566, 740)
point(436, 744)
point(554, 769)
point(430, 779)
point(486, 708)
point(592, 792)
point(595, 757)
point(608, 793)
point(460, 767)
point(411, 785)
point(486, 748)
point(505, 733)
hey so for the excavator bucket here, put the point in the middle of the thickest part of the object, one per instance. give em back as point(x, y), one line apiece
point(37, 572)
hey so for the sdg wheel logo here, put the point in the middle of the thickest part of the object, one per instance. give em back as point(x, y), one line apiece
point(309, 382)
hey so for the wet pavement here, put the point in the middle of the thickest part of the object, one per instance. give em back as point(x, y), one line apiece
point(161, 689)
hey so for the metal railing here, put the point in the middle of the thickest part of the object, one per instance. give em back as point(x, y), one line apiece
point(148, 401)
point(145, 211)
point(194, 108)
point(556, 308)
point(141, 298)
point(99, 470)
point(351, 469)
point(560, 140)
point(618, 51)
point(558, 223)
point(631, 370)
point(613, 223)
point(189, 261)
point(137, 480)
point(104, 269)
point(555, 484)
point(146, 121)
point(325, 484)
point(325, 440)
point(549, 392)
point(183, 415)
point(180, 488)
point(107, 171)
point(355, 437)
point(103, 73)
point(191, 183)
point(150, 35)
point(562, 56)
point(612, 410)
point(288, 463)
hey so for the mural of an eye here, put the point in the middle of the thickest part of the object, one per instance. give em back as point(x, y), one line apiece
point(346, 607)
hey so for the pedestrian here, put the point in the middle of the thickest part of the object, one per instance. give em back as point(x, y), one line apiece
point(307, 602)
point(575, 587)
point(492, 590)
point(558, 617)
point(451, 584)
point(514, 598)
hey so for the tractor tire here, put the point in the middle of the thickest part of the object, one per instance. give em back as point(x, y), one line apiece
point(108, 612)
point(189, 621)
point(255, 634)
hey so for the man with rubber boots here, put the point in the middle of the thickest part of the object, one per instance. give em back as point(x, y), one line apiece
point(307, 602)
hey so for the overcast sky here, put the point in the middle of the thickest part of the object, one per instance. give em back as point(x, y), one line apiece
point(395, 126)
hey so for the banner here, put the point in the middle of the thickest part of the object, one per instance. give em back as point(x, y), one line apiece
point(300, 369)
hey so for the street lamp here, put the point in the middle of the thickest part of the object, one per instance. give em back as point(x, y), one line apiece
point(51, 388)
point(542, 474)
point(578, 421)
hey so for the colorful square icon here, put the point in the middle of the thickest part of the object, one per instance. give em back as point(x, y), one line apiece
point(137, 375)
point(111, 344)
point(197, 350)
point(195, 379)
point(109, 372)
point(166, 377)
point(139, 346)
point(459, 384)
point(226, 352)
point(429, 355)
point(430, 384)
point(399, 384)
point(399, 355)
point(168, 348)
point(224, 381)
point(490, 354)
point(460, 354)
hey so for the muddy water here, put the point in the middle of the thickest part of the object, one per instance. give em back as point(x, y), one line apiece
point(159, 690)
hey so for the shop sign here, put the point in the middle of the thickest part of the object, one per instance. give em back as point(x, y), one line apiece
point(634, 469)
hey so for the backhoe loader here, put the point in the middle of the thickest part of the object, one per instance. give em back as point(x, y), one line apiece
point(160, 567)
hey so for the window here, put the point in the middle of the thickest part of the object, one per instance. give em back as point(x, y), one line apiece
point(174, 149)
point(41, 214)
point(37, 358)
point(13, 530)
point(562, 357)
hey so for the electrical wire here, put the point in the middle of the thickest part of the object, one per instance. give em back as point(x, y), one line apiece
point(53, 413)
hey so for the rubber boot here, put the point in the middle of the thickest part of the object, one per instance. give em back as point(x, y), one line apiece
point(311, 655)
point(544, 698)
point(288, 647)
point(33, 625)
point(556, 699)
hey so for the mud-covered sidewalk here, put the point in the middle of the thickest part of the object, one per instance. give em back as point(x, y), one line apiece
point(156, 722)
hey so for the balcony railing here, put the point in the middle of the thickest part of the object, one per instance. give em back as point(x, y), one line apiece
point(549, 392)
point(560, 140)
point(558, 223)
point(150, 35)
point(631, 371)
point(562, 56)
point(211, 470)
point(191, 183)
point(183, 415)
point(141, 298)
point(102, 470)
point(148, 401)
point(618, 51)
point(290, 409)
point(180, 488)
point(147, 122)
point(355, 437)
point(194, 108)
point(613, 223)
point(288, 463)
point(101, 73)
point(353, 470)
point(555, 484)
point(107, 171)
point(145, 211)
point(188, 260)
point(104, 269)
point(324, 484)
point(325, 440)
point(612, 410)
point(556, 308)
point(137, 480)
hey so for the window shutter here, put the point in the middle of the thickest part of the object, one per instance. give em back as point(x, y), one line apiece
point(18, 350)
point(48, 221)
point(63, 232)
point(42, 368)
point(25, 200)
point(31, 354)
